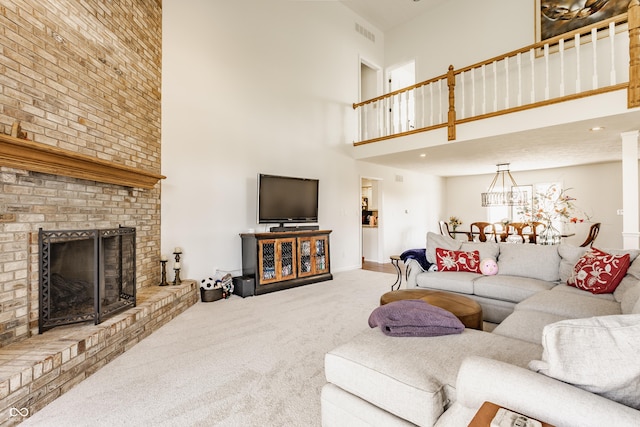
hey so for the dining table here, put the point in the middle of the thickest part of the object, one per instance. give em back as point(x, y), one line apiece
point(504, 237)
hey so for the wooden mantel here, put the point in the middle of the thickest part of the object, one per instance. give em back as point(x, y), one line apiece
point(33, 156)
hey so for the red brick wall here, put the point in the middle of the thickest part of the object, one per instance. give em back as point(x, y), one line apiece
point(85, 77)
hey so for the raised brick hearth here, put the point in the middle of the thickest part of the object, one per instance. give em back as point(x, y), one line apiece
point(35, 371)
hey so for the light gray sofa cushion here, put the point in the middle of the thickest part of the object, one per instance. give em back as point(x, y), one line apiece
point(340, 408)
point(598, 354)
point(526, 260)
point(485, 249)
point(371, 367)
point(509, 288)
point(576, 291)
point(569, 304)
point(569, 256)
point(629, 281)
point(526, 325)
point(452, 281)
point(439, 241)
point(631, 293)
point(535, 395)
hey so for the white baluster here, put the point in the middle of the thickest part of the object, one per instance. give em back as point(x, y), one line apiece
point(519, 63)
point(612, 38)
point(506, 82)
point(578, 64)
point(464, 108)
point(365, 123)
point(546, 71)
point(423, 115)
point(431, 109)
point(440, 115)
point(473, 93)
point(406, 105)
point(380, 123)
point(398, 126)
point(387, 115)
point(594, 39)
point(561, 47)
point(532, 63)
point(495, 86)
point(484, 89)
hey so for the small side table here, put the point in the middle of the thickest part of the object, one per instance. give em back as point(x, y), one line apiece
point(486, 413)
point(395, 260)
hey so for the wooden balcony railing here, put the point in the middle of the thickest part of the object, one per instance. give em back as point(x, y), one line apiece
point(600, 58)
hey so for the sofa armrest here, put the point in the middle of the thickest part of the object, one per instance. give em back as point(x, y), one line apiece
point(413, 268)
point(537, 396)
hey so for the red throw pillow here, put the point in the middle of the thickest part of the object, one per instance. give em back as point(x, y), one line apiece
point(448, 260)
point(599, 272)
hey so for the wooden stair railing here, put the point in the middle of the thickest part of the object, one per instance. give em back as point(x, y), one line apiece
point(509, 77)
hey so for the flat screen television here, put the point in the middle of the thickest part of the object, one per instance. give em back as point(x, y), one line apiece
point(283, 199)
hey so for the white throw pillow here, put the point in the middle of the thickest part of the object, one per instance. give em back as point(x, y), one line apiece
point(597, 354)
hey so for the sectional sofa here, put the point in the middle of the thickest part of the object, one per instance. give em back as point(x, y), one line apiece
point(560, 354)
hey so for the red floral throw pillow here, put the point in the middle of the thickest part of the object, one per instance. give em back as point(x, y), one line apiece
point(599, 272)
point(448, 260)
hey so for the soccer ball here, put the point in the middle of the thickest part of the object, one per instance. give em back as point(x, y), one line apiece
point(207, 283)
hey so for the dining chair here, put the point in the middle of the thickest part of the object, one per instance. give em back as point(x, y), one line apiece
point(593, 233)
point(444, 228)
point(484, 230)
point(529, 231)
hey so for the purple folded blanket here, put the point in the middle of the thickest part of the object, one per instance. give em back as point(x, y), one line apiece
point(414, 318)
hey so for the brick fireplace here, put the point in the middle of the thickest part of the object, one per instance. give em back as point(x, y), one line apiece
point(83, 81)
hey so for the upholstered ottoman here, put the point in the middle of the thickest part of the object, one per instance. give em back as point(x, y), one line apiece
point(467, 310)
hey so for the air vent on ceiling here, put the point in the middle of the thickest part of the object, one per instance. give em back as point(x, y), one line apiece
point(365, 33)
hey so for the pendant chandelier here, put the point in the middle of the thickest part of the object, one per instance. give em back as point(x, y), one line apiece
point(508, 194)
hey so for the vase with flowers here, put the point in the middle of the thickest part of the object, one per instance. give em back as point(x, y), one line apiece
point(454, 222)
point(553, 207)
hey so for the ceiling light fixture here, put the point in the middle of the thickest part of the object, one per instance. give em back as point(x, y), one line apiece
point(503, 195)
point(596, 128)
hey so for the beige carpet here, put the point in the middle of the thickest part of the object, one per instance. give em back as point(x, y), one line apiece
point(256, 361)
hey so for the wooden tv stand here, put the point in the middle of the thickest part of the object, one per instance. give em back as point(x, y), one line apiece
point(286, 259)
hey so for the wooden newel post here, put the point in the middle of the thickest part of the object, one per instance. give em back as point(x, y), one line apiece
point(633, 17)
point(451, 119)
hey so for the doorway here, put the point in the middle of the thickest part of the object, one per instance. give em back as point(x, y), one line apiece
point(402, 114)
point(372, 220)
point(370, 87)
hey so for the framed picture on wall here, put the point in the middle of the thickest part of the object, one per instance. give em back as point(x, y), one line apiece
point(555, 17)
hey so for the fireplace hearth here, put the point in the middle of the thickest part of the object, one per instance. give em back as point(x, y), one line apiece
point(85, 275)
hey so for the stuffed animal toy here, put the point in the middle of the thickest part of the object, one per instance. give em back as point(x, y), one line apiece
point(227, 285)
point(488, 267)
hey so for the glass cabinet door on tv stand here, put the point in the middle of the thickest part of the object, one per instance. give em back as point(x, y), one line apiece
point(276, 260)
point(313, 255)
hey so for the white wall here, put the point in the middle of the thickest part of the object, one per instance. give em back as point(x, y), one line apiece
point(460, 33)
point(597, 188)
point(409, 207)
point(263, 86)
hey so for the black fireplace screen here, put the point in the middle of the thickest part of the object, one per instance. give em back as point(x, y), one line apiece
point(86, 275)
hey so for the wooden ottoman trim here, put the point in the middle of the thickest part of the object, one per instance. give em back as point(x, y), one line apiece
point(467, 310)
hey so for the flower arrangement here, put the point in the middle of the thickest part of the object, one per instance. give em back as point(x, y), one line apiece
point(454, 222)
point(554, 205)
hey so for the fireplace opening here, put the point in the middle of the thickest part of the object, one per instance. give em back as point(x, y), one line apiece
point(85, 275)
